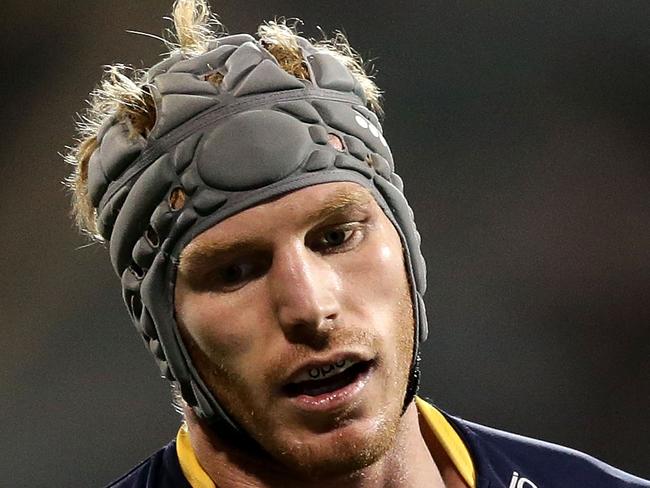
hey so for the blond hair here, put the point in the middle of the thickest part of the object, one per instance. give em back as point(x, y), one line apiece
point(124, 93)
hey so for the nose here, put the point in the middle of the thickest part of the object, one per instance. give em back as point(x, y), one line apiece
point(305, 290)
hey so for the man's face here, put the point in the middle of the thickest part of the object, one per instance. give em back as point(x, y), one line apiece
point(298, 316)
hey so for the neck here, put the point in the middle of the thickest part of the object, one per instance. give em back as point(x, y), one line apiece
point(409, 462)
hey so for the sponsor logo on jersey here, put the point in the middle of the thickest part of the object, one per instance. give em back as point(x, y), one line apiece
point(518, 482)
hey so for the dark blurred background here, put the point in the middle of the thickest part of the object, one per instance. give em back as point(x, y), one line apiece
point(521, 130)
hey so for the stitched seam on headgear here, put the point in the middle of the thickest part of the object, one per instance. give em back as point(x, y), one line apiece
point(208, 117)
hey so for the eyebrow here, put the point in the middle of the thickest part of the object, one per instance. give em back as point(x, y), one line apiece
point(193, 261)
point(340, 201)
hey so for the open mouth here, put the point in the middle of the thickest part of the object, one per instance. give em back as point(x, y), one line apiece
point(326, 379)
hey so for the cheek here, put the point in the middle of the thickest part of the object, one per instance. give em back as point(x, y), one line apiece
point(220, 329)
point(381, 260)
point(375, 278)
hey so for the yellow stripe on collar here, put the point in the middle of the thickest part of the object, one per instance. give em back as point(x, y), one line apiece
point(190, 466)
point(450, 441)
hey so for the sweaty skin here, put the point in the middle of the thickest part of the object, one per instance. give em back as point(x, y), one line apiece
point(292, 285)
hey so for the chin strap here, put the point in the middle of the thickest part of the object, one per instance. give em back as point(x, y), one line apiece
point(413, 384)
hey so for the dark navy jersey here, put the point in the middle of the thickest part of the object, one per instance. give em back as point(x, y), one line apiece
point(502, 460)
point(509, 460)
point(161, 470)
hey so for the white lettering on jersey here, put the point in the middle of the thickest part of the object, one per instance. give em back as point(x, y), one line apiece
point(517, 482)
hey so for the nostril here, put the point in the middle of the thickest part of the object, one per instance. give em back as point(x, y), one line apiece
point(332, 317)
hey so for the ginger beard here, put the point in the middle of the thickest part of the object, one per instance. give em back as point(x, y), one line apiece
point(332, 446)
point(244, 352)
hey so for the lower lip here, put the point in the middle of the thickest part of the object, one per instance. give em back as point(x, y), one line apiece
point(333, 399)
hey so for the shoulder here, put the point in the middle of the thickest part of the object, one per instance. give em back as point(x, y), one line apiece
point(513, 460)
point(160, 470)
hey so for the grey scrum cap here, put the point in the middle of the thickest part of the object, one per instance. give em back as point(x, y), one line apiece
point(260, 134)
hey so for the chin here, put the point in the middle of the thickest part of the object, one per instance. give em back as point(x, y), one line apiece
point(342, 451)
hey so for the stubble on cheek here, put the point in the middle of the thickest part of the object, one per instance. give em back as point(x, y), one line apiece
point(239, 398)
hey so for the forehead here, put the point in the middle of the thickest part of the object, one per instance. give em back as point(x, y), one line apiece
point(291, 211)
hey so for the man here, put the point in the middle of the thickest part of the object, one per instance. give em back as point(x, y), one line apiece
point(271, 262)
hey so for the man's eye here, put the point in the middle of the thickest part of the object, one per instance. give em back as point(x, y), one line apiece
point(337, 239)
point(234, 274)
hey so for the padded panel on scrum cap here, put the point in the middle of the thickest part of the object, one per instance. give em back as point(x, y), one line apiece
point(162, 219)
point(163, 66)
point(205, 63)
point(319, 134)
point(325, 68)
point(252, 149)
point(174, 104)
point(242, 61)
point(97, 181)
point(132, 220)
point(319, 160)
point(178, 108)
point(247, 69)
point(330, 73)
point(108, 214)
point(143, 253)
point(344, 118)
point(302, 110)
point(184, 84)
point(380, 165)
point(266, 77)
point(154, 289)
point(116, 150)
point(184, 152)
point(208, 201)
point(232, 39)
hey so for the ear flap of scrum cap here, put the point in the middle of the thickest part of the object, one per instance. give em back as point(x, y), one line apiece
point(392, 192)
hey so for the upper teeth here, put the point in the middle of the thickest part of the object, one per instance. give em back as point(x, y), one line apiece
point(324, 371)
